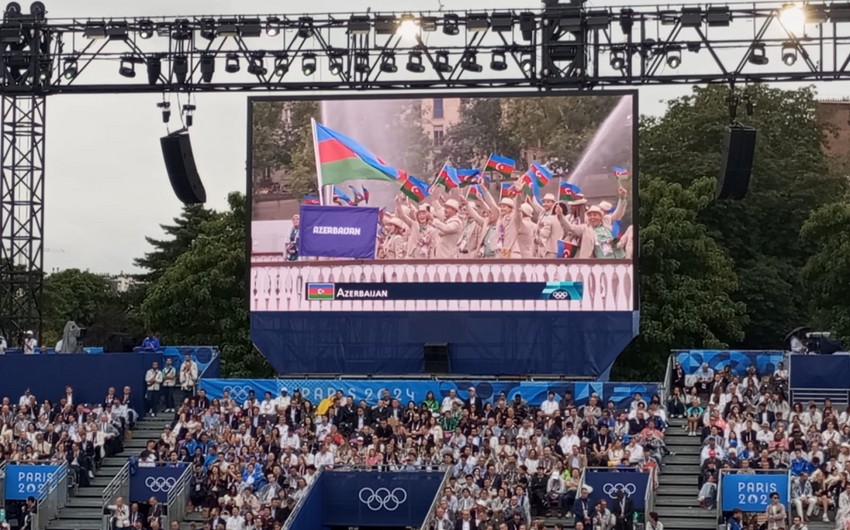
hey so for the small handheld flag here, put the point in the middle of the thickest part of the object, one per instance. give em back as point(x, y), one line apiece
point(529, 185)
point(448, 177)
point(565, 249)
point(568, 192)
point(338, 194)
point(358, 197)
point(365, 195)
point(501, 164)
point(311, 199)
point(506, 190)
point(541, 173)
point(476, 192)
point(414, 188)
point(467, 176)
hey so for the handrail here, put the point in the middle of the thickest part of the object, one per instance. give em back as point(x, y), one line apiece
point(292, 516)
point(178, 495)
point(52, 498)
point(649, 494)
point(436, 502)
point(2, 484)
point(668, 379)
point(119, 486)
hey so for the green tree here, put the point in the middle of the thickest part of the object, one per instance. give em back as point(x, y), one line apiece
point(791, 177)
point(201, 297)
point(687, 281)
point(179, 238)
point(478, 134)
point(826, 275)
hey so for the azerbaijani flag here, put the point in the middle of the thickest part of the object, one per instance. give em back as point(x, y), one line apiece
point(506, 190)
point(414, 188)
point(530, 186)
point(365, 194)
point(358, 197)
point(467, 176)
point(320, 291)
point(540, 173)
point(568, 192)
point(342, 159)
point(565, 249)
point(476, 192)
point(311, 199)
point(338, 194)
point(448, 177)
point(620, 171)
point(501, 164)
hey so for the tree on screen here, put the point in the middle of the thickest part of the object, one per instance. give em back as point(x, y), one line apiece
point(480, 132)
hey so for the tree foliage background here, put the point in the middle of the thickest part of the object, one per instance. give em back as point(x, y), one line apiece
point(713, 274)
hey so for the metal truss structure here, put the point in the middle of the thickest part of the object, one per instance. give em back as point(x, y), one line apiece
point(558, 47)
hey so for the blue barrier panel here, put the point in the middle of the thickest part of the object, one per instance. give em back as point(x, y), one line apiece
point(415, 390)
point(820, 371)
point(606, 484)
point(309, 515)
point(765, 361)
point(147, 482)
point(751, 493)
point(25, 480)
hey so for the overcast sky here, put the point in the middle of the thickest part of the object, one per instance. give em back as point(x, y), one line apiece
point(106, 186)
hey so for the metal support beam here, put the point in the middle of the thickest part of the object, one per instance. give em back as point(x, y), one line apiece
point(21, 213)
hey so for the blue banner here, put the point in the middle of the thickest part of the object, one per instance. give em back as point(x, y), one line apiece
point(534, 392)
point(153, 481)
point(606, 484)
point(751, 493)
point(29, 480)
point(820, 371)
point(446, 291)
point(765, 361)
point(336, 232)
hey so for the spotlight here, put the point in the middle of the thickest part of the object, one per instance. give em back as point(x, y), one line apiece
point(408, 29)
point(208, 28)
point(256, 66)
point(527, 62)
point(335, 62)
point(69, 70)
point(477, 22)
point(627, 20)
point(527, 25)
point(451, 24)
point(388, 63)
point(758, 55)
point(182, 31)
point(165, 106)
point(361, 62)
point(272, 26)
point(207, 67)
point(188, 114)
point(231, 63)
point(308, 64)
point(618, 59)
point(154, 69)
point(674, 57)
point(281, 64)
point(250, 27)
point(305, 27)
point(128, 66)
point(95, 30)
point(385, 24)
point(470, 62)
point(44, 70)
point(145, 29)
point(181, 68)
point(441, 64)
point(497, 61)
point(793, 18)
point(359, 24)
point(789, 53)
point(414, 63)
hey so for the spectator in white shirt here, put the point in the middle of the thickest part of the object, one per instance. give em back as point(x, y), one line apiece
point(449, 400)
point(550, 406)
point(3, 345)
point(30, 343)
point(153, 380)
point(568, 441)
point(188, 376)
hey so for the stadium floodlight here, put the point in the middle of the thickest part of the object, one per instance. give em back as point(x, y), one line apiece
point(502, 21)
point(308, 63)
point(527, 25)
point(414, 62)
point(250, 27)
point(789, 53)
point(95, 30)
point(718, 16)
point(231, 63)
point(409, 28)
point(227, 27)
point(386, 24)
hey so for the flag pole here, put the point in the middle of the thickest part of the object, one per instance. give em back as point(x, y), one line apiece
point(318, 163)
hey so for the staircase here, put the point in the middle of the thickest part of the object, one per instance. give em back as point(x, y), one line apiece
point(676, 497)
point(84, 511)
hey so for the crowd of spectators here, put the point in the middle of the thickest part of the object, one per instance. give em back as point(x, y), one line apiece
point(512, 464)
point(746, 424)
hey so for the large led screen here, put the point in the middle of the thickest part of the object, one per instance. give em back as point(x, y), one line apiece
point(512, 203)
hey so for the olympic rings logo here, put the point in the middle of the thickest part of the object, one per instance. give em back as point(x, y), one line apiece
point(612, 489)
point(160, 484)
point(382, 498)
point(237, 392)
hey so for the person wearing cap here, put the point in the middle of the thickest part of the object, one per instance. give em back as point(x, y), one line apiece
point(394, 245)
point(30, 344)
point(421, 234)
point(548, 231)
point(487, 219)
point(507, 229)
point(449, 226)
point(527, 230)
point(597, 240)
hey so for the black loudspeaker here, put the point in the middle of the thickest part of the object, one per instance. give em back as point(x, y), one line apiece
point(436, 358)
point(119, 343)
point(180, 165)
point(734, 178)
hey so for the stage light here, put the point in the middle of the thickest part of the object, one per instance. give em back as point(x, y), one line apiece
point(388, 63)
point(758, 55)
point(38, 10)
point(527, 62)
point(335, 62)
point(95, 30)
point(208, 28)
point(359, 24)
point(789, 53)
point(272, 26)
point(117, 30)
point(69, 69)
point(11, 33)
point(497, 61)
point(627, 20)
point(839, 12)
point(691, 17)
point(385, 25)
point(227, 27)
point(408, 29)
point(793, 19)
point(451, 24)
point(815, 14)
point(305, 27)
point(477, 22)
point(181, 68)
point(502, 21)
point(207, 67)
point(145, 29)
point(44, 70)
point(414, 62)
point(527, 25)
point(154, 69)
point(718, 16)
point(188, 114)
point(361, 62)
point(618, 59)
point(182, 31)
point(231, 63)
point(308, 63)
point(469, 62)
point(674, 57)
point(127, 67)
point(250, 27)
point(281, 64)
point(597, 19)
point(441, 63)
point(165, 106)
point(428, 23)
point(256, 65)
